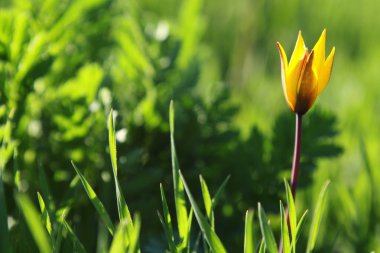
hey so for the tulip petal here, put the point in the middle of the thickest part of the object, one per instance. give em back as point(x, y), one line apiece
point(284, 67)
point(308, 88)
point(298, 52)
point(325, 73)
point(319, 52)
point(293, 78)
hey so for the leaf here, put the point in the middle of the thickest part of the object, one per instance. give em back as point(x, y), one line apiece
point(292, 213)
point(317, 217)
point(167, 222)
point(122, 207)
point(207, 200)
point(284, 230)
point(112, 142)
point(219, 192)
point(179, 194)
point(45, 189)
point(210, 236)
point(249, 243)
point(266, 231)
point(186, 241)
point(300, 224)
point(45, 214)
point(95, 201)
point(134, 235)
point(33, 221)
point(262, 248)
point(58, 239)
point(119, 240)
point(4, 233)
point(77, 244)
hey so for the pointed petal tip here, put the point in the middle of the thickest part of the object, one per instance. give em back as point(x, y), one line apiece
point(300, 34)
point(332, 53)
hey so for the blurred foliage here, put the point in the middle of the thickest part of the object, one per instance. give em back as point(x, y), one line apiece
point(64, 64)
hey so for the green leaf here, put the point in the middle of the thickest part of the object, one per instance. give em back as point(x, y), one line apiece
point(317, 218)
point(134, 235)
point(45, 189)
point(300, 224)
point(45, 214)
point(284, 230)
point(179, 193)
point(95, 201)
point(219, 192)
point(122, 207)
point(186, 241)
point(33, 221)
point(119, 242)
point(292, 213)
point(77, 244)
point(262, 248)
point(266, 231)
point(112, 142)
point(4, 233)
point(58, 239)
point(249, 243)
point(210, 236)
point(207, 200)
point(167, 222)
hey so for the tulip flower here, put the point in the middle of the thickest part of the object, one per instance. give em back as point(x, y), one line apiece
point(307, 73)
point(304, 77)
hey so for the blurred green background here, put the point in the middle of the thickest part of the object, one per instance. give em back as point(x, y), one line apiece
point(64, 64)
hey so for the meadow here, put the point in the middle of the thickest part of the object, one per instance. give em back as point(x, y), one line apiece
point(154, 126)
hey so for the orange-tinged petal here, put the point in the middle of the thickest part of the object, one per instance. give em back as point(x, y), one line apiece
point(308, 88)
point(293, 78)
point(319, 52)
point(325, 73)
point(298, 52)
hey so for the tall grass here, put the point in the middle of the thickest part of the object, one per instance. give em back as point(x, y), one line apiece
point(50, 227)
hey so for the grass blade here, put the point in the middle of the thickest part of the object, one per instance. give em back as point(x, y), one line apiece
point(119, 240)
point(249, 243)
point(317, 218)
point(207, 200)
point(284, 230)
point(219, 192)
point(77, 244)
point(33, 221)
point(266, 231)
point(112, 142)
point(95, 201)
point(292, 214)
point(4, 233)
point(45, 214)
point(187, 237)
point(179, 193)
point(210, 236)
point(262, 248)
point(167, 222)
point(45, 189)
point(134, 235)
point(300, 224)
point(122, 207)
point(58, 239)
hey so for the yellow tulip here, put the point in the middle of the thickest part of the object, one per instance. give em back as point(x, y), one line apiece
point(306, 75)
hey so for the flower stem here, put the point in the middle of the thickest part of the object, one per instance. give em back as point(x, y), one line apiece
point(296, 154)
point(295, 166)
